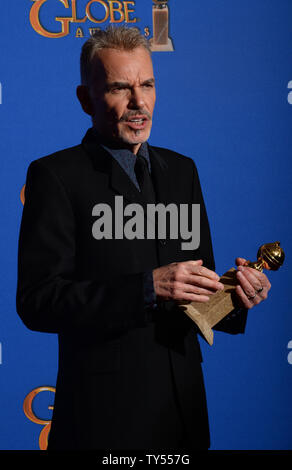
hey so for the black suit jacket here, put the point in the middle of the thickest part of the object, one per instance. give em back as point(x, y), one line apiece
point(125, 380)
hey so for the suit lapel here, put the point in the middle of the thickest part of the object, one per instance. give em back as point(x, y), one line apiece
point(104, 162)
point(119, 181)
point(122, 184)
point(159, 176)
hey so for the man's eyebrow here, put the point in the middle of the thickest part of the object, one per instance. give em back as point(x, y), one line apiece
point(117, 84)
point(150, 81)
point(112, 85)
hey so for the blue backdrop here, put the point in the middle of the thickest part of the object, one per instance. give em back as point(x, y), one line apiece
point(223, 99)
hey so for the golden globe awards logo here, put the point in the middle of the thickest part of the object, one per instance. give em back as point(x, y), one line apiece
point(114, 11)
point(30, 413)
point(98, 12)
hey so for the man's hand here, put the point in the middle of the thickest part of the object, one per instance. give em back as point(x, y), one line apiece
point(253, 285)
point(187, 281)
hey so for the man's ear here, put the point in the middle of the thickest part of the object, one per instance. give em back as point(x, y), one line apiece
point(83, 95)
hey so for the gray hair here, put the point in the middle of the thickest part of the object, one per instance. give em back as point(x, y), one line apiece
point(121, 37)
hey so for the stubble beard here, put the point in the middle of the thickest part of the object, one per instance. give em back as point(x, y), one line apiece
point(117, 134)
point(138, 137)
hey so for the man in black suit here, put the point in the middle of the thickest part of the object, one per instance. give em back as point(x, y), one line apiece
point(129, 372)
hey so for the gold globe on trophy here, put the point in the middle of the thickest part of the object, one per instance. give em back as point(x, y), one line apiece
point(270, 256)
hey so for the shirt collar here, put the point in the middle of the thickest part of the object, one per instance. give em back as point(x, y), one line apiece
point(128, 158)
point(125, 157)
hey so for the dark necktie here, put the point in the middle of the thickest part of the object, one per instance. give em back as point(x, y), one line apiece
point(144, 180)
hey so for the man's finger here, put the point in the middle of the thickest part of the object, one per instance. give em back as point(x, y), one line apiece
point(195, 297)
point(202, 271)
point(241, 262)
point(199, 289)
point(243, 298)
point(251, 278)
point(258, 278)
point(205, 282)
point(247, 286)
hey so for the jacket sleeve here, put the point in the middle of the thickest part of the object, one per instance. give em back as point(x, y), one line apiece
point(50, 297)
point(235, 321)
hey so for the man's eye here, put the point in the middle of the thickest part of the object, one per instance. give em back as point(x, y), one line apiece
point(117, 89)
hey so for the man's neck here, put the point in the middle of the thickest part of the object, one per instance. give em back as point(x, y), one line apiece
point(134, 148)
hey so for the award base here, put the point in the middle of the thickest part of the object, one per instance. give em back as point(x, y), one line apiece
point(168, 47)
point(206, 315)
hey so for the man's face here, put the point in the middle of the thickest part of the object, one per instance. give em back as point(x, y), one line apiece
point(122, 95)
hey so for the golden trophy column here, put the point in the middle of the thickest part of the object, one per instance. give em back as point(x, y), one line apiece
point(206, 315)
point(160, 16)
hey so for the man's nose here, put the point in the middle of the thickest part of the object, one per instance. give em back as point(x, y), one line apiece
point(136, 98)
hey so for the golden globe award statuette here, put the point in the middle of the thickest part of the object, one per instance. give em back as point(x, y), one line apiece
point(160, 16)
point(206, 315)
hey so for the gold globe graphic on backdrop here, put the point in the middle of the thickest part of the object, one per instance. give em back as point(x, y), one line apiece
point(22, 196)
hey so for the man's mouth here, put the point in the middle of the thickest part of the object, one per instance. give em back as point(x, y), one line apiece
point(137, 122)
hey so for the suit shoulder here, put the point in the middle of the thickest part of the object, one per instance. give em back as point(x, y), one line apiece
point(70, 156)
point(66, 165)
point(170, 156)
